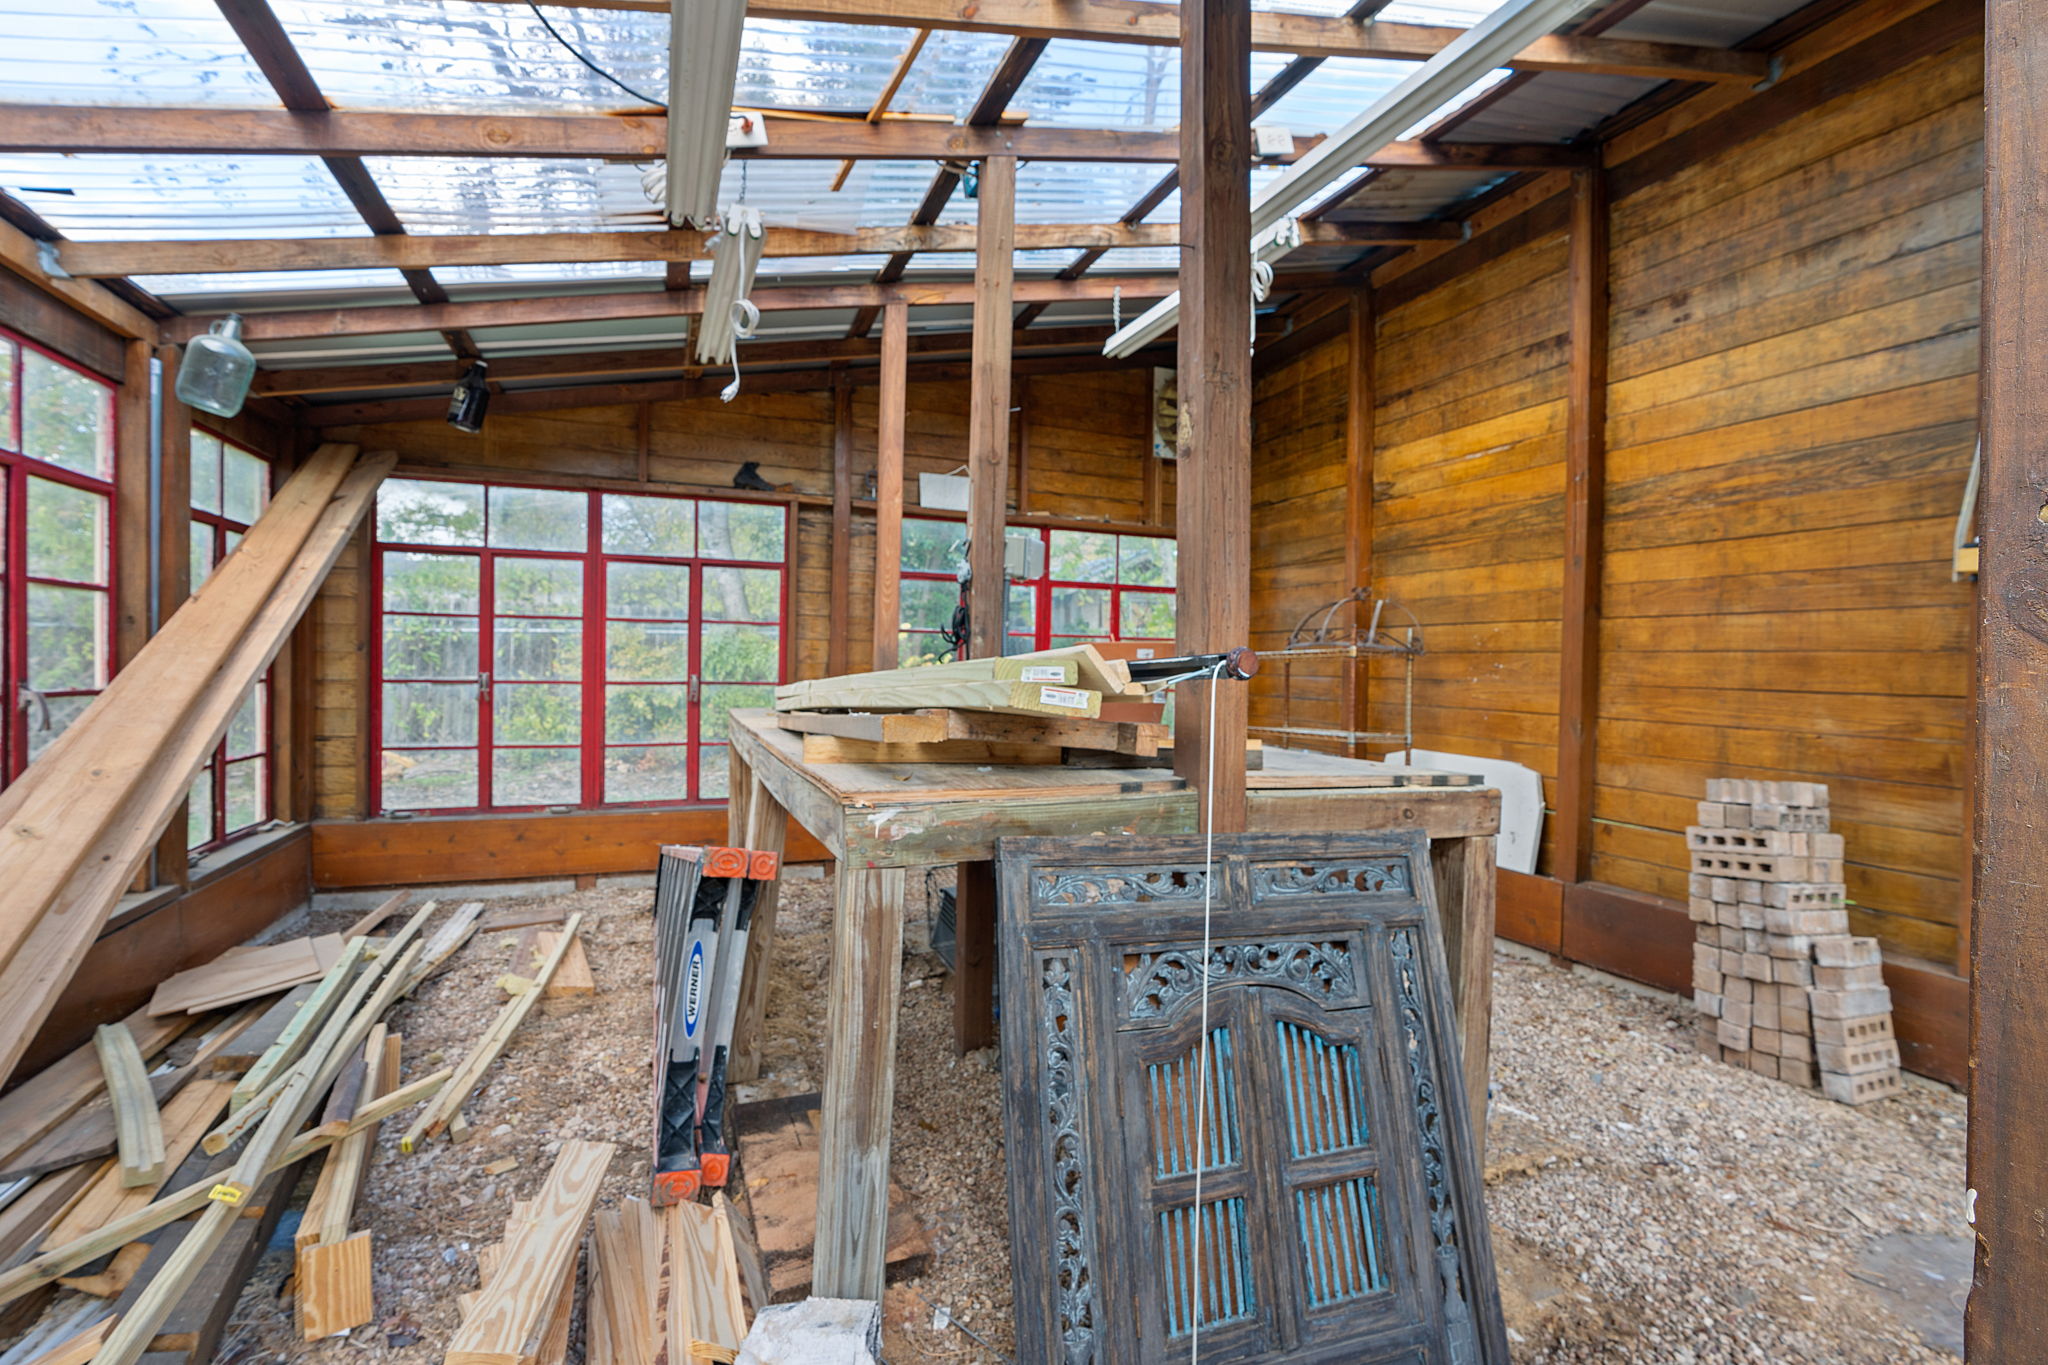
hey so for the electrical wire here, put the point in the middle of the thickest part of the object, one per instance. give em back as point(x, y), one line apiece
point(577, 53)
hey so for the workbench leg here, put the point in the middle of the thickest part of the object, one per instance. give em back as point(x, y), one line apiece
point(974, 957)
point(866, 987)
point(1464, 873)
point(754, 819)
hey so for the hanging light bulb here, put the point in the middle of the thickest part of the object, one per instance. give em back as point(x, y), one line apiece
point(217, 369)
point(472, 396)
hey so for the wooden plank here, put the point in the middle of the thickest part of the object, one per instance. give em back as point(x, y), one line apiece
point(842, 521)
point(512, 917)
point(707, 1320)
point(247, 1048)
point(238, 976)
point(1359, 428)
point(33, 1109)
point(891, 408)
point(571, 978)
point(447, 940)
point(78, 1348)
point(187, 1118)
point(988, 405)
point(138, 1127)
point(1000, 698)
point(305, 1023)
point(369, 922)
point(333, 1200)
point(832, 749)
point(626, 1249)
point(334, 1291)
point(2008, 1144)
point(974, 957)
point(756, 820)
point(513, 1308)
point(20, 255)
point(1585, 507)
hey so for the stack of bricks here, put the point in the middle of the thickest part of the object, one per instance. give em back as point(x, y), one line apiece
point(1781, 986)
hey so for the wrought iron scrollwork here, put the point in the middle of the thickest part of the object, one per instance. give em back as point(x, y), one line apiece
point(1156, 984)
point(1073, 1211)
point(1380, 876)
point(1461, 1333)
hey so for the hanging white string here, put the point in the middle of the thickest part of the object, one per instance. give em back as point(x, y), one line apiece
point(745, 318)
point(1202, 1042)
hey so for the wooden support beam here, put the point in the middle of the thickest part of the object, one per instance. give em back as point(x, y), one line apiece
point(1154, 24)
point(23, 255)
point(2008, 1147)
point(891, 413)
point(1578, 698)
point(1213, 503)
point(841, 588)
point(138, 1127)
point(141, 257)
point(988, 405)
point(173, 860)
point(1358, 499)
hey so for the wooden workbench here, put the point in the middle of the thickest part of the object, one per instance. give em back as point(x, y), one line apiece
point(879, 820)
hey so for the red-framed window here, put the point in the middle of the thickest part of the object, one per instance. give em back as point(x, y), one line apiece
point(1097, 585)
point(231, 795)
point(57, 562)
point(548, 647)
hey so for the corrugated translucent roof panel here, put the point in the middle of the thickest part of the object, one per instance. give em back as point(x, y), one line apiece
point(1335, 93)
point(258, 282)
point(784, 267)
point(1553, 108)
point(1451, 13)
point(607, 333)
point(97, 197)
point(1405, 196)
point(1103, 85)
point(793, 65)
point(1140, 259)
point(178, 52)
point(1168, 210)
point(435, 194)
point(1712, 23)
point(950, 74)
point(546, 272)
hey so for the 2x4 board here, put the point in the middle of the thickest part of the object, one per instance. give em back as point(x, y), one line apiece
point(1341, 1215)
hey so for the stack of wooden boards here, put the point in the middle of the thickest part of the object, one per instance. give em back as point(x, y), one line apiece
point(1781, 985)
point(80, 822)
point(1020, 709)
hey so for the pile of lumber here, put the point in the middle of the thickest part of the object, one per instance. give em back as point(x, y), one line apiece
point(1781, 985)
point(1019, 709)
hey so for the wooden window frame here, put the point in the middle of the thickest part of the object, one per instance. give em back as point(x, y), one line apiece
point(220, 527)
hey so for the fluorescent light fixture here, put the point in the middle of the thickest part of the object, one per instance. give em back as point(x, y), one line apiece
point(1156, 321)
point(1476, 51)
point(735, 253)
point(703, 64)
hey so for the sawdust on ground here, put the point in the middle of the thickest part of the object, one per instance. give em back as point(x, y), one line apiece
point(1648, 1205)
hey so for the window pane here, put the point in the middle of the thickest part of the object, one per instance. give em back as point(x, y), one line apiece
point(539, 519)
point(1083, 556)
point(1147, 560)
point(429, 779)
point(646, 715)
point(916, 648)
point(63, 710)
point(537, 713)
point(6, 393)
point(711, 716)
point(740, 530)
point(927, 604)
point(416, 582)
point(429, 713)
point(536, 777)
point(67, 532)
point(649, 526)
point(66, 418)
point(202, 553)
point(245, 485)
point(647, 653)
point(711, 770)
point(199, 811)
point(205, 471)
point(244, 792)
point(741, 653)
point(423, 513)
point(430, 647)
point(66, 627)
point(1145, 615)
point(1020, 609)
point(537, 587)
point(932, 546)
point(659, 592)
point(742, 594)
point(1080, 611)
point(537, 650)
point(245, 731)
point(632, 775)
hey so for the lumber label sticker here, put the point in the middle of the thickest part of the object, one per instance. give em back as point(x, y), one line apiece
point(1063, 696)
point(1042, 673)
point(229, 1193)
point(693, 990)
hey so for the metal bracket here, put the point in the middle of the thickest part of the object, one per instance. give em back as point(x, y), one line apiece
point(46, 257)
point(1777, 72)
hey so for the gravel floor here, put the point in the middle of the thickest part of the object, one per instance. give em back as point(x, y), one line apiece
point(1648, 1205)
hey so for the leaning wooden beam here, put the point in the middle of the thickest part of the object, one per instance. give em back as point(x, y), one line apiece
point(304, 1024)
point(1309, 35)
point(80, 822)
point(511, 1312)
point(107, 259)
point(369, 922)
point(138, 1127)
point(447, 940)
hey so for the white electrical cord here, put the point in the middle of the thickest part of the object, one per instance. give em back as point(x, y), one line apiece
point(1202, 1043)
point(745, 318)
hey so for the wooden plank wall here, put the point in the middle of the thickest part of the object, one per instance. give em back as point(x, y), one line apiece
point(1792, 405)
point(1082, 455)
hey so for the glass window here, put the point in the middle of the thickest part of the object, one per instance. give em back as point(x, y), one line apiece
point(230, 488)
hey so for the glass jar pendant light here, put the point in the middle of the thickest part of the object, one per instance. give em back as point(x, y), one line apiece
point(217, 369)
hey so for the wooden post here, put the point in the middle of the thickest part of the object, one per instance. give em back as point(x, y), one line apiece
point(132, 504)
point(1578, 688)
point(1213, 501)
point(891, 407)
point(842, 522)
point(1358, 439)
point(754, 819)
point(173, 567)
point(974, 957)
point(2008, 1167)
point(988, 404)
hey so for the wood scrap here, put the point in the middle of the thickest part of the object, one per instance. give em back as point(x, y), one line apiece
point(326, 1216)
point(77, 1349)
point(1000, 698)
point(29, 1215)
point(705, 1309)
point(745, 1252)
point(238, 976)
point(446, 940)
point(138, 1127)
point(511, 917)
point(109, 1283)
point(625, 1285)
point(512, 1313)
point(572, 978)
point(237, 1055)
point(33, 1109)
point(186, 1120)
point(334, 1291)
point(368, 924)
point(292, 1039)
point(435, 1117)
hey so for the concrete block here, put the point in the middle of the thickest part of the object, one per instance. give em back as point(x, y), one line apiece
point(1853, 1004)
point(1845, 951)
point(1735, 1012)
point(1844, 1031)
point(1791, 971)
point(1855, 1059)
point(1863, 1089)
point(1734, 1035)
point(1847, 978)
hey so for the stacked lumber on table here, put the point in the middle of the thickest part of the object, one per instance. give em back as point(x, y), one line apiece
point(1781, 985)
point(77, 826)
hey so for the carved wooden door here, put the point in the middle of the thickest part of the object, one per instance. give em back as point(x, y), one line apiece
point(1339, 1215)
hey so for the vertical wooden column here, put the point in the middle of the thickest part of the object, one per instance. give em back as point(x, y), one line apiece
point(988, 403)
point(1358, 439)
point(1578, 688)
point(1213, 495)
point(173, 566)
point(842, 522)
point(131, 504)
point(974, 957)
point(2008, 1166)
point(892, 408)
point(755, 820)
